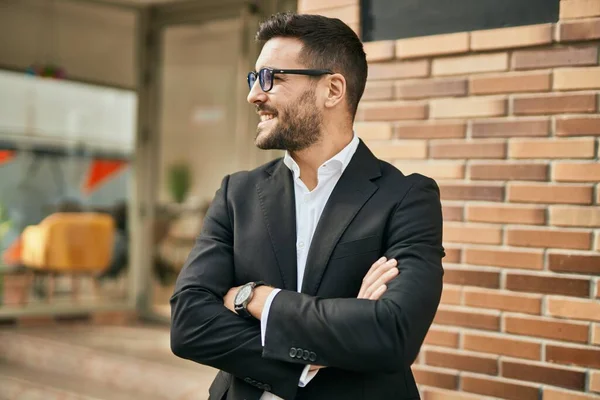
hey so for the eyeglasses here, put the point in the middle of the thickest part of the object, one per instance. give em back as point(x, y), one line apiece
point(265, 76)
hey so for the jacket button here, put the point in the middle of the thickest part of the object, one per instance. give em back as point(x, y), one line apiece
point(293, 352)
point(260, 386)
point(312, 356)
point(247, 380)
point(305, 355)
point(267, 387)
point(299, 354)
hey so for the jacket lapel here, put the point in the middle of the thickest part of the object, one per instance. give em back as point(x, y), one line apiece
point(350, 194)
point(277, 201)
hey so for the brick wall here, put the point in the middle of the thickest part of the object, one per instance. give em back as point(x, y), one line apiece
point(506, 121)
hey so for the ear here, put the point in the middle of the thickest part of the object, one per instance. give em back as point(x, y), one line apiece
point(336, 90)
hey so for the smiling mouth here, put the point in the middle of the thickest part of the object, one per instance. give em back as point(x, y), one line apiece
point(266, 117)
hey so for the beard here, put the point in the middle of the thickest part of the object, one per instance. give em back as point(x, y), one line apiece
point(298, 126)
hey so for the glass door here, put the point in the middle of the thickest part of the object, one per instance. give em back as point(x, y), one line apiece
point(204, 129)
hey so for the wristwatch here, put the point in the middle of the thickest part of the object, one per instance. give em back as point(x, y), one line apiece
point(243, 297)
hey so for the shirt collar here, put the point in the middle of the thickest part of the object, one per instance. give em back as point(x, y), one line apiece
point(338, 162)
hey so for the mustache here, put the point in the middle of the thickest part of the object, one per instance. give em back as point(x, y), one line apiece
point(264, 108)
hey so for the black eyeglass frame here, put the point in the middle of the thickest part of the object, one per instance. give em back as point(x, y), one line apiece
point(254, 76)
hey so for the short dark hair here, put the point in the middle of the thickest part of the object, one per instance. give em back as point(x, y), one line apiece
point(328, 44)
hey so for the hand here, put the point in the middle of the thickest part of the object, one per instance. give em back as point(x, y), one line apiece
point(256, 304)
point(380, 273)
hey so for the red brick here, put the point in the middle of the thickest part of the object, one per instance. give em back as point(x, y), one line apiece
point(520, 36)
point(508, 172)
point(579, 9)
point(451, 295)
point(552, 148)
point(576, 78)
point(383, 50)
point(576, 172)
point(443, 394)
point(399, 70)
point(588, 357)
point(498, 387)
point(470, 107)
point(503, 128)
point(575, 216)
point(503, 301)
point(550, 193)
point(540, 237)
point(467, 191)
point(373, 130)
point(431, 88)
point(548, 328)
point(349, 14)
point(312, 5)
point(554, 104)
point(587, 310)
point(470, 277)
point(556, 57)
point(537, 372)
point(390, 111)
point(461, 233)
point(378, 90)
point(556, 394)
point(462, 149)
point(470, 64)
point(435, 377)
point(517, 258)
point(407, 149)
point(595, 381)
point(574, 263)
point(435, 170)
point(452, 212)
point(596, 332)
point(577, 126)
point(452, 254)
point(430, 130)
point(506, 214)
point(502, 345)
point(486, 320)
point(511, 83)
point(548, 285)
point(579, 30)
point(440, 336)
point(433, 45)
point(462, 361)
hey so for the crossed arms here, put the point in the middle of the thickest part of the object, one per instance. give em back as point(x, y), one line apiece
point(353, 334)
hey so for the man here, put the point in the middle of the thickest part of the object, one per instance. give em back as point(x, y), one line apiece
point(289, 291)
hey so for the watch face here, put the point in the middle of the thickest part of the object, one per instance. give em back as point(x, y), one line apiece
point(243, 294)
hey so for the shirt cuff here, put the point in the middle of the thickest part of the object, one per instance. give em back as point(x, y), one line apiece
point(264, 316)
point(307, 376)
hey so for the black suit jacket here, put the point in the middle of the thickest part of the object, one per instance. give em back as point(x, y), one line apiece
point(249, 234)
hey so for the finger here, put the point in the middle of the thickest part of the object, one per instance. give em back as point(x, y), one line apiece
point(382, 280)
point(376, 275)
point(375, 265)
point(378, 293)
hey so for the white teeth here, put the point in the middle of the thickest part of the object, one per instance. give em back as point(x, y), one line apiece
point(266, 117)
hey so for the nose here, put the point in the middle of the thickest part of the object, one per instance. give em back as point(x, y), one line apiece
point(256, 94)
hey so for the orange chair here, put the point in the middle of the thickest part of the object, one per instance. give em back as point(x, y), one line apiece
point(68, 243)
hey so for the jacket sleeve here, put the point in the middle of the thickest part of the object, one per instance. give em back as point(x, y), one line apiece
point(204, 330)
point(365, 335)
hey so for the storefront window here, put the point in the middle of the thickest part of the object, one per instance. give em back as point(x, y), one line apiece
point(65, 171)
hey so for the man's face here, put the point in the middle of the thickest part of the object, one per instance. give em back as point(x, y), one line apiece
point(290, 117)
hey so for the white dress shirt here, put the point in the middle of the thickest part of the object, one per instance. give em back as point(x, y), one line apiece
point(309, 207)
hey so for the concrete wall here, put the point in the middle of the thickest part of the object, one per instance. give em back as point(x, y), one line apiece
point(92, 42)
